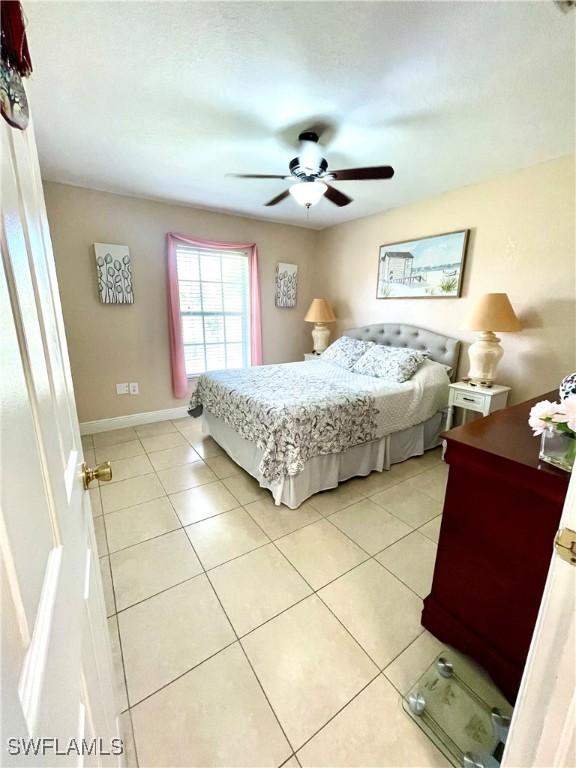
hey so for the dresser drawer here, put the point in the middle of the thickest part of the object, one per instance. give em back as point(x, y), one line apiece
point(472, 400)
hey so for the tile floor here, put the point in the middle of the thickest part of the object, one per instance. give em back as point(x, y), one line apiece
point(245, 634)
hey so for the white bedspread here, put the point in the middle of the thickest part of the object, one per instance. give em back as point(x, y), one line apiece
point(296, 411)
point(399, 405)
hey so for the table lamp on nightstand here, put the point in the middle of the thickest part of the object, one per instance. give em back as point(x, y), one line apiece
point(320, 312)
point(492, 312)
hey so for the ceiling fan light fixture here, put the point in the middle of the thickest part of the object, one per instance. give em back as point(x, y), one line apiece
point(308, 193)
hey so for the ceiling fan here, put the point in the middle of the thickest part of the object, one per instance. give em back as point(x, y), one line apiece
point(311, 174)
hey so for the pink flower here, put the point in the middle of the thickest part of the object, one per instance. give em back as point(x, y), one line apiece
point(541, 415)
point(566, 413)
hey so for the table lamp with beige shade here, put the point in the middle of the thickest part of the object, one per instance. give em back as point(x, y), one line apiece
point(320, 313)
point(491, 312)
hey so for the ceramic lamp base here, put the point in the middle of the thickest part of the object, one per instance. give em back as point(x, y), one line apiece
point(320, 337)
point(485, 354)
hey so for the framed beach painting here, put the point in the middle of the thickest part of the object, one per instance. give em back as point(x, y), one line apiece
point(430, 267)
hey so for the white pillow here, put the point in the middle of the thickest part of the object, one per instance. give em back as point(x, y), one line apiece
point(345, 351)
point(423, 352)
point(391, 363)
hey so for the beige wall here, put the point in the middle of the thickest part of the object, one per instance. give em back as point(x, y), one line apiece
point(521, 242)
point(114, 344)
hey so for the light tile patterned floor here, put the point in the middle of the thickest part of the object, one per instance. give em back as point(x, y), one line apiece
point(250, 635)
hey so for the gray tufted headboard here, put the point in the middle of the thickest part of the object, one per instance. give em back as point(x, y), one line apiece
point(442, 349)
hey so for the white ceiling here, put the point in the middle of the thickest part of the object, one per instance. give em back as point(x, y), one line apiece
point(162, 99)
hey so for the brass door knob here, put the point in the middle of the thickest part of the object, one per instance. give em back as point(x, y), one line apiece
point(101, 472)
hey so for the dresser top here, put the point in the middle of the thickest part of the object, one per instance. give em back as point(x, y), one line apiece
point(506, 434)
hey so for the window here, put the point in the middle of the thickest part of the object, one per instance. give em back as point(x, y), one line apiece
point(213, 286)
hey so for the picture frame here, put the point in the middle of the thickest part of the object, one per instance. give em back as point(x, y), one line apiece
point(114, 273)
point(286, 288)
point(429, 267)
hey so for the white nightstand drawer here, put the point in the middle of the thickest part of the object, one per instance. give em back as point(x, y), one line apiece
point(482, 400)
point(469, 399)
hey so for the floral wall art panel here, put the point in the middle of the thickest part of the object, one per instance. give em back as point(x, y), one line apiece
point(114, 271)
point(286, 285)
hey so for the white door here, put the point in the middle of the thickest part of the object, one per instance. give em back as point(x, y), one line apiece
point(543, 729)
point(56, 659)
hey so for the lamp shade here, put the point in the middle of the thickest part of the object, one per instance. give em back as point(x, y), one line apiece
point(492, 312)
point(307, 192)
point(320, 311)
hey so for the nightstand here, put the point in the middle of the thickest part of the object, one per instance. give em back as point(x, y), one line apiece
point(483, 400)
point(311, 356)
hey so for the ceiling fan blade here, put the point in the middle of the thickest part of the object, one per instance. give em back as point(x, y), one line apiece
point(256, 176)
point(337, 197)
point(278, 198)
point(361, 174)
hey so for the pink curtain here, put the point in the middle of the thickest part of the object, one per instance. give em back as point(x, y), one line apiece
point(179, 380)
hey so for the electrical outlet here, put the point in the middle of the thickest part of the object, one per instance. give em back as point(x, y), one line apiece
point(134, 389)
point(122, 389)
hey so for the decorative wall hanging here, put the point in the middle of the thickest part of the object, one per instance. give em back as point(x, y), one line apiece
point(430, 267)
point(114, 273)
point(286, 285)
point(15, 64)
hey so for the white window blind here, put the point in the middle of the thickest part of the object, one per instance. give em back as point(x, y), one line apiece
point(214, 307)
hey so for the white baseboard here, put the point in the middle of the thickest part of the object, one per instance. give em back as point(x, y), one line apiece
point(132, 420)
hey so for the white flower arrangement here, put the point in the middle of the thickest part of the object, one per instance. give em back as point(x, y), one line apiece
point(558, 416)
point(556, 423)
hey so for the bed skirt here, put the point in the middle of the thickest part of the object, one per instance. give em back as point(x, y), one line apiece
point(324, 472)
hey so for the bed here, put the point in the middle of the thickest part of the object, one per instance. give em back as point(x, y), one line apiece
point(300, 428)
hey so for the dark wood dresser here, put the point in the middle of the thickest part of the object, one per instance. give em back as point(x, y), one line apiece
point(501, 514)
